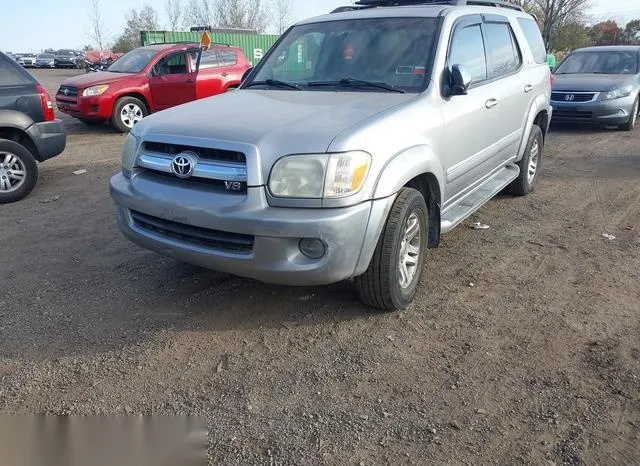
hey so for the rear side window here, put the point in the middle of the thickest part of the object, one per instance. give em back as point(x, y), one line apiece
point(228, 57)
point(467, 49)
point(209, 59)
point(10, 74)
point(534, 39)
point(502, 51)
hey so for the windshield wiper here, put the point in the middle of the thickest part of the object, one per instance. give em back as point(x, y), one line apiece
point(275, 83)
point(351, 82)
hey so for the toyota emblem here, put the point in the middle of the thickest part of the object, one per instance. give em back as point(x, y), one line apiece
point(569, 97)
point(183, 164)
point(66, 92)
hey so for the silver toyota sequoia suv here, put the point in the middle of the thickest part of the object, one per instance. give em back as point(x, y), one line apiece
point(360, 138)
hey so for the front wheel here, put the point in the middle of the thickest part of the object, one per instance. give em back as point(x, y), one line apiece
point(633, 117)
point(127, 112)
point(393, 276)
point(18, 171)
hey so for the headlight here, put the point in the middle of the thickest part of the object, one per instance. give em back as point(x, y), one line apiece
point(318, 176)
point(618, 93)
point(129, 154)
point(95, 90)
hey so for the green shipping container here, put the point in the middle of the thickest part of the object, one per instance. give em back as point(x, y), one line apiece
point(254, 46)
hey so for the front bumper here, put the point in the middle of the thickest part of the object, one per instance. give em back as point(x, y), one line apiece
point(605, 112)
point(276, 232)
point(49, 137)
point(90, 108)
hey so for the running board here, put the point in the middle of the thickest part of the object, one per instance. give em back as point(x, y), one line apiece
point(478, 197)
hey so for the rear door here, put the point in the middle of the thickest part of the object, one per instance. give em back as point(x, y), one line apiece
point(211, 74)
point(172, 81)
point(17, 90)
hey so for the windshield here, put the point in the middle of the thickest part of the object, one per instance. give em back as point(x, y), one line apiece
point(392, 51)
point(45, 55)
point(66, 52)
point(600, 63)
point(134, 61)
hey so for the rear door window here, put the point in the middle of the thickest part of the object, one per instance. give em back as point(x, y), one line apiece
point(209, 59)
point(467, 49)
point(534, 39)
point(502, 51)
point(11, 75)
point(228, 57)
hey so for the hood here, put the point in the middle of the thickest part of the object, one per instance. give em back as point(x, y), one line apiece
point(590, 82)
point(91, 79)
point(277, 122)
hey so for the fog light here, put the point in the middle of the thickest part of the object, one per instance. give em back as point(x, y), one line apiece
point(312, 248)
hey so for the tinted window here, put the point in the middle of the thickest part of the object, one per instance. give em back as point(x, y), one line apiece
point(600, 63)
point(228, 57)
point(504, 58)
point(209, 59)
point(467, 48)
point(534, 39)
point(10, 75)
point(396, 51)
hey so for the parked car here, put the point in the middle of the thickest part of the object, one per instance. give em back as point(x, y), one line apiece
point(67, 58)
point(28, 60)
point(149, 79)
point(46, 60)
point(29, 132)
point(598, 85)
point(398, 124)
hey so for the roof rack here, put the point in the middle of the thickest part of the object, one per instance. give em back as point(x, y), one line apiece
point(376, 3)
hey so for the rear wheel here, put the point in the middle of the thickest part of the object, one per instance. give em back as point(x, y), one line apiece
point(393, 276)
point(127, 112)
point(18, 171)
point(633, 118)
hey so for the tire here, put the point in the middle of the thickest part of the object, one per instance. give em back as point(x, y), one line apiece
point(91, 122)
point(382, 286)
point(530, 165)
point(135, 110)
point(15, 158)
point(633, 118)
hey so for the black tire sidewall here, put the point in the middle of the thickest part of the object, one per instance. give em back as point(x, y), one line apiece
point(117, 108)
point(536, 134)
point(31, 171)
point(402, 297)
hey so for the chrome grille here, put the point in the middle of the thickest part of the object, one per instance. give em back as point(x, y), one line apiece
point(220, 168)
point(573, 97)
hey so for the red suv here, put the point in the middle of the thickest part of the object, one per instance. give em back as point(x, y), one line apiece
point(149, 79)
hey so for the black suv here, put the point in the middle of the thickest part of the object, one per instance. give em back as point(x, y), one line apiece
point(29, 131)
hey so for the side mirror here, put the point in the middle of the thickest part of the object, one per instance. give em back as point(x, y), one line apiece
point(460, 80)
point(245, 74)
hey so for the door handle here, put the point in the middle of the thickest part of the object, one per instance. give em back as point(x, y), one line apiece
point(528, 88)
point(224, 75)
point(491, 103)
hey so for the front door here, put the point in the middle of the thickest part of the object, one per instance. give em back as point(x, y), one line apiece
point(173, 81)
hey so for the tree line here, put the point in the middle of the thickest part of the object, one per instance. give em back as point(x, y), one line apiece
point(257, 15)
point(565, 25)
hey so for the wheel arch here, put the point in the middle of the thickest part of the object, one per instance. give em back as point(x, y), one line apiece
point(136, 95)
point(20, 136)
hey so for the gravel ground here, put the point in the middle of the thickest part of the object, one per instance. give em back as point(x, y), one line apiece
point(521, 348)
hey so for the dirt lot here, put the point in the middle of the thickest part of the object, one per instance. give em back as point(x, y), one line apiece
point(522, 347)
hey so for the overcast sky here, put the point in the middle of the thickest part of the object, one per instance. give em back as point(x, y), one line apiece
point(32, 25)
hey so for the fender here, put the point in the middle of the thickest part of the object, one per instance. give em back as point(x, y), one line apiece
point(538, 105)
point(406, 165)
point(15, 119)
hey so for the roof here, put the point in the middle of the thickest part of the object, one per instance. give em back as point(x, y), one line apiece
point(180, 46)
point(610, 48)
point(422, 10)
